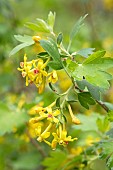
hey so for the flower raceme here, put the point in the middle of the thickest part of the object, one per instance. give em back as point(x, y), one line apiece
point(54, 126)
point(35, 72)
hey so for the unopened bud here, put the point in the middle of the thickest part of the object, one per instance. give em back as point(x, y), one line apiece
point(36, 38)
point(76, 120)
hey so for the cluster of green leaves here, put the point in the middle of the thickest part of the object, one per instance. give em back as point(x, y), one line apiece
point(39, 26)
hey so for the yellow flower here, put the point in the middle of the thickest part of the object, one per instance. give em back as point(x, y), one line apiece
point(52, 77)
point(51, 115)
point(58, 132)
point(61, 138)
point(37, 47)
point(25, 68)
point(47, 113)
point(32, 126)
point(34, 71)
point(45, 134)
point(36, 38)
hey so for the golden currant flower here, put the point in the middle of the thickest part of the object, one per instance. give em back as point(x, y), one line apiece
point(32, 126)
point(36, 38)
point(45, 134)
point(35, 72)
point(54, 127)
point(25, 69)
point(53, 77)
point(61, 138)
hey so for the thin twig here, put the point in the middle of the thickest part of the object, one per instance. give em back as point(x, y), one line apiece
point(103, 106)
point(76, 87)
point(99, 102)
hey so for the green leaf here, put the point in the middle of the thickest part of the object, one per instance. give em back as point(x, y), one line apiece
point(77, 27)
point(9, 119)
point(107, 152)
point(95, 91)
point(94, 57)
point(85, 99)
point(25, 38)
point(55, 65)
point(103, 124)
point(93, 70)
point(84, 52)
point(43, 25)
point(51, 19)
point(51, 48)
point(110, 116)
point(19, 47)
point(110, 162)
point(72, 96)
point(26, 161)
point(55, 161)
point(36, 27)
point(71, 66)
point(85, 119)
point(59, 38)
point(58, 102)
point(110, 133)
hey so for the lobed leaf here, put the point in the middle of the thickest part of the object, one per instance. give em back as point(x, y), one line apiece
point(95, 91)
point(55, 161)
point(85, 99)
point(94, 57)
point(84, 52)
point(93, 70)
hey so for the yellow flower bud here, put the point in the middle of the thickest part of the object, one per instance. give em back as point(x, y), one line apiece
point(76, 120)
point(36, 38)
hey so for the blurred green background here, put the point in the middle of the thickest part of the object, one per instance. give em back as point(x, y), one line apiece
point(96, 32)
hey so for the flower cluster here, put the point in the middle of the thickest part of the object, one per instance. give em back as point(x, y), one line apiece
point(35, 72)
point(54, 127)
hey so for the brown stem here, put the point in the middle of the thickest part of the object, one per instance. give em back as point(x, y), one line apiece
point(103, 106)
point(99, 102)
point(37, 146)
point(76, 87)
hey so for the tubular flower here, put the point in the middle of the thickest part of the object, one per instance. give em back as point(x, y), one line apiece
point(53, 77)
point(33, 126)
point(61, 138)
point(52, 120)
point(37, 47)
point(46, 113)
point(43, 135)
point(35, 72)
